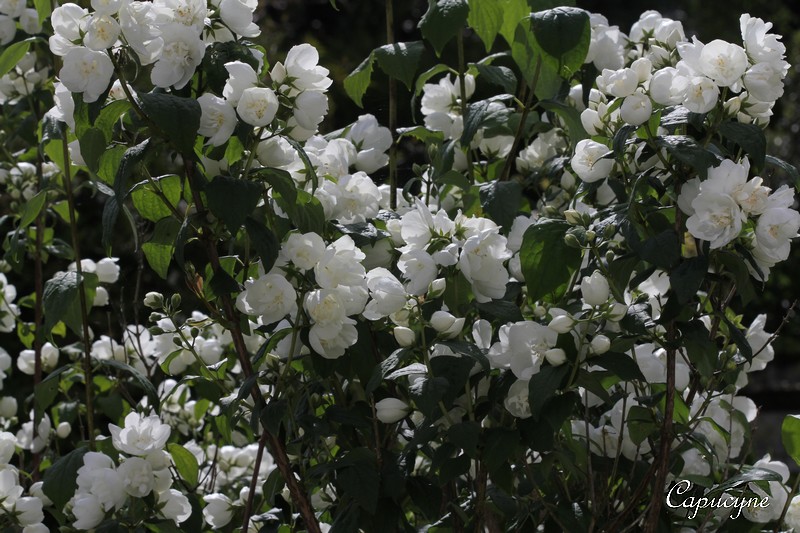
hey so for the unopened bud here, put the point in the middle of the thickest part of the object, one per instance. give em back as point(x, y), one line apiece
point(555, 356)
point(600, 344)
point(595, 289)
point(562, 324)
point(391, 410)
point(175, 301)
point(63, 430)
point(405, 337)
point(572, 241)
point(573, 217)
point(437, 288)
point(154, 300)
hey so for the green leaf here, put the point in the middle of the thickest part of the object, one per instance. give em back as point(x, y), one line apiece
point(177, 118)
point(747, 475)
point(543, 386)
point(31, 209)
point(62, 300)
point(232, 199)
point(563, 33)
point(542, 247)
point(790, 435)
point(571, 118)
point(687, 278)
point(109, 117)
point(497, 75)
point(159, 249)
point(465, 435)
point(423, 78)
point(662, 250)
point(149, 203)
point(45, 392)
point(427, 392)
point(486, 18)
point(500, 200)
point(620, 364)
point(131, 159)
point(689, 151)
point(12, 55)
point(43, 9)
point(738, 338)
point(791, 170)
point(514, 12)
point(702, 351)
point(273, 486)
point(356, 83)
point(92, 144)
point(357, 476)
point(456, 371)
point(138, 378)
point(443, 21)
point(750, 137)
point(264, 241)
point(185, 463)
point(60, 479)
point(400, 60)
point(478, 114)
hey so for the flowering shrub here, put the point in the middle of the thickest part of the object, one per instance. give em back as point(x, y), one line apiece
point(537, 327)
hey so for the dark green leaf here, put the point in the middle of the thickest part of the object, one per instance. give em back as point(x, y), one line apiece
point(750, 138)
point(138, 378)
point(273, 486)
point(543, 386)
point(739, 339)
point(45, 392)
point(500, 200)
point(502, 310)
point(178, 118)
point(264, 241)
point(466, 436)
point(620, 364)
point(689, 151)
point(478, 114)
point(500, 446)
point(232, 199)
point(455, 370)
point(542, 247)
point(497, 75)
point(61, 299)
point(400, 60)
point(514, 12)
point(747, 475)
point(662, 250)
point(60, 479)
point(357, 476)
point(687, 278)
point(152, 205)
point(92, 144)
point(571, 118)
point(427, 393)
point(702, 351)
point(791, 170)
point(564, 34)
point(443, 21)
point(31, 209)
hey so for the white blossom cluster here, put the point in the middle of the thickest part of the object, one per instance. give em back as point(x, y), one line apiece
point(13, 13)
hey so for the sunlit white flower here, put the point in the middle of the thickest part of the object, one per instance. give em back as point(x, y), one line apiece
point(141, 435)
point(391, 410)
point(137, 476)
point(301, 70)
point(257, 106)
point(86, 71)
point(238, 16)
point(589, 162)
point(304, 250)
point(419, 269)
point(218, 511)
point(180, 55)
point(102, 31)
point(271, 297)
point(218, 119)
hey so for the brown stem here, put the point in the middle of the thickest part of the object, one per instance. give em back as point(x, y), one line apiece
point(248, 509)
point(463, 88)
point(87, 346)
point(521, 127)
point(276, 445)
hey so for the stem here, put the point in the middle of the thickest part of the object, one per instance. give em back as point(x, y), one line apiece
point(87, 346)
point(463, 89)
point(521, 127)
point(392, 111)
point(276, 445)
point(39, 304)
point(248, 509)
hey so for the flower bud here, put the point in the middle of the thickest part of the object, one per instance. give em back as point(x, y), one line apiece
point(391, 410)
point(8, 407)
point(595, 289)
point(539, 311)
point(573, 217)
point(446, 324)
point(63, 430)
point(154, 300)
point(572, 241)
point(175, 301)
point(590, 235)
point(405, 337)
point(437, 288)
point(562, 324)
point(600, 344)
point(555, 356)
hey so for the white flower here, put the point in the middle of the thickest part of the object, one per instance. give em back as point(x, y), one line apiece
point(444, 98)
point(257, 106)
point(391, 410)
point(180, 55)
point(106, 7)
point(137, 477)
point(388, 294)
point(447, 325)
point(98, 477)
point(27, 358)
point(63, 430)
point(701, 95)
point(562, 324)
point(555, 356)
point(86, 71)
point(67, 21)
point(241, 77)
point(668, 86)
point(419, 269)
point(372, 141)
point(600, 344)
point(140, 24)
point(88, 511)
point(517, 400)
point(764, 82)
point(792, 518)
point(761, 46)
point(717, 218)
point(358, 198)
point(102, 32)
point(238, 16)
point(106, 349)
point(618, 83)
point(300, 71)
point(310, 107)
point(588, 162)
point(340, 264)
point(271, 297)
point(595, 289)
point(723, 62)
point(218, 511)
point(188, 13)
point(8, 444)
point(28, 510)
point(777, 495)
point(8, 409)
point(774, 230)
point(141, 435)
point(528, 342)
point(304, 250)
point(173, 505)
point(481, 262)
point(636, 108)
point(218, 119)
point(652, 362)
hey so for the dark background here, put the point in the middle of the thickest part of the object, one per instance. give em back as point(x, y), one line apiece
point(345, 35)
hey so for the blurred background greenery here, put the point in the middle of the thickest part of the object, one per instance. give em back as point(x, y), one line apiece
point(346, 32)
